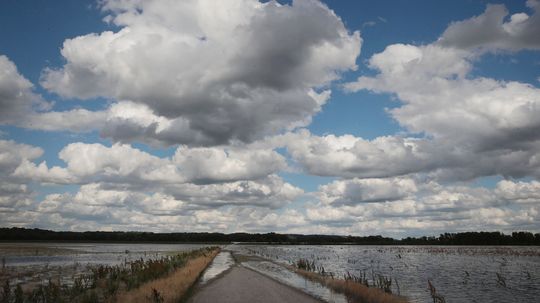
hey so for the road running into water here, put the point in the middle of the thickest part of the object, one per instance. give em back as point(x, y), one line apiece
point(239, 285)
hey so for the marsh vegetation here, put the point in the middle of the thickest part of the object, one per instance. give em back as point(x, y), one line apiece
point(165, 278)
point(419, 273)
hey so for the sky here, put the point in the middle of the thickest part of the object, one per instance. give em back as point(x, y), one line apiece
point(392, 118)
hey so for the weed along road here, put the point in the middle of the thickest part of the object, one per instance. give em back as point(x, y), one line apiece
point(240, 285)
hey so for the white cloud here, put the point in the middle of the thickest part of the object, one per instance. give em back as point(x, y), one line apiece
point(24, 108)
point(203, 165)
point(494, 30)
point(441, 101)
point(349, 156)
point(466, 126)
point(519, 192)
point(120, 163)
point(16, 96)
point(12, 154)
point(14, 193)
point(200, 177)
point(75, 120)
point(271, 192)
point(261, 69)
point(257, 67)
point(95, 206)
point(356, 191)
point(430, 208)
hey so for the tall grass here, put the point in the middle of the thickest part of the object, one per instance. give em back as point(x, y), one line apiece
point(355, 288)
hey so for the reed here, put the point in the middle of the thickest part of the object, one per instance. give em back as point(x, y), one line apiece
point(354, 291)
point(355, 288)
point(437, 298)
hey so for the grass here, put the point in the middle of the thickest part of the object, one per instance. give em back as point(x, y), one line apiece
point(156, 280)
point(356, 289)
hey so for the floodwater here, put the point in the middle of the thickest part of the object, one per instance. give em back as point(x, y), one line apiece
point(290, 278)
point(221, 263)
point(31, 264)
point(460, 274)
point(224, 260)
point(60, 254)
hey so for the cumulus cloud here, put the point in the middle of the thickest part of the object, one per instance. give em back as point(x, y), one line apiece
point(519, 192)
point(399, 206)
point(465, 126)
point(349, 156)
point(270, 192)
point(24, 108)
point(355, 191)
point(231, 82)
point(423, 205)
point(200, 177)
point(495, 30)
point(441, 101)
point(95, 207)
point(15, 193)
point(210, 165)
point(12, 154)
point(16, 96)
point(125, 188)
point(120, 163)
point(260, 67)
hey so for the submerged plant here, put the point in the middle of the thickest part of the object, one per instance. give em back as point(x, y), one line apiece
point(6, 293)
point(501, 280)
point(18, 294)
point(384, 283)
point(437, 298)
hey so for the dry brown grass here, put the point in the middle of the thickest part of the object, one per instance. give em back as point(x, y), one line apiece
point(173, 287)
point(356, 292)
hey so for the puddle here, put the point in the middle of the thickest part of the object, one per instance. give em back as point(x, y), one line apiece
point(221, 263)
point(292, 279)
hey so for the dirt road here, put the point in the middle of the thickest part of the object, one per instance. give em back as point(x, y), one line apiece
point(244, 285)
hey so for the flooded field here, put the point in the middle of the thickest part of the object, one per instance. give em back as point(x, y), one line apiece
point(30, 264)
point(460, 274)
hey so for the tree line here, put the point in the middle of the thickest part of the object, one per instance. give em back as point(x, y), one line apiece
point(463, 238)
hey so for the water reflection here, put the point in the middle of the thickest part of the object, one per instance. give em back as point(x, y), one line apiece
point(461, 274)
point(221, 263)
point(290, 278)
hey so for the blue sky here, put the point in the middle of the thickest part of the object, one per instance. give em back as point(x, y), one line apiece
point(252, 145)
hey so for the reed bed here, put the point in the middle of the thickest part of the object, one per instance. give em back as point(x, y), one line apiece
point(355, 288)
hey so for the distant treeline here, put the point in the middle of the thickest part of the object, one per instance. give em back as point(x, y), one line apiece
point(465, 238)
